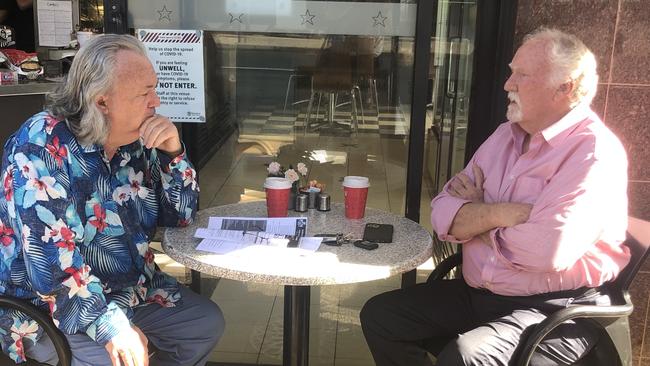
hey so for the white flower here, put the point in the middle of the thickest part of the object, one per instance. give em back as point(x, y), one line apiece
point(23, 329)
point(25, 166)
point(54, 231)
point(78, 281)
point(274, 168)
point(189, 177)
point(122, 194)
point(291, 175)
point(302, 169)
point(44, 187)
point(137, 189)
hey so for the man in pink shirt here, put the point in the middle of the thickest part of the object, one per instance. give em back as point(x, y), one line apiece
point(540, 213)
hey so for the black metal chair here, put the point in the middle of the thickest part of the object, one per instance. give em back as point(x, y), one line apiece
point(45, 321)
point(614, 346)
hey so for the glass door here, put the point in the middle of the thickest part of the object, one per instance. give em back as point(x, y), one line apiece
point(324, 83)
point(450, 81)
point(328, 84)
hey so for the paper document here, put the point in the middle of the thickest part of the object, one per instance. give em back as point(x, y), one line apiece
point(251, 237)
point(227, 235)
point(296, 226)
point(54, 22)
point(305, 245)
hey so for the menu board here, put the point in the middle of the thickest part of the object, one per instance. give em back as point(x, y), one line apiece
point(54, 22)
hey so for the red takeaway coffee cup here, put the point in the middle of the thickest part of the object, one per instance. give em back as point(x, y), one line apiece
point(277, 196)
point(356, 193)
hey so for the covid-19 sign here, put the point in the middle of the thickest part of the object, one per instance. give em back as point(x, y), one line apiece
point(177, 57)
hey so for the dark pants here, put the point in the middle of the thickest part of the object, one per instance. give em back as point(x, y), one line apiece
point(184, 335)
point(461, 325)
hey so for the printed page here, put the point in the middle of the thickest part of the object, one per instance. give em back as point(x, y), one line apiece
point(54, 22)
point(242, 237)
point(295, 226)
point(306, 245)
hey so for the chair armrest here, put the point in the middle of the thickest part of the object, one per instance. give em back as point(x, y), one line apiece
point(446, 266)
point(58, 338)
point(542, 329)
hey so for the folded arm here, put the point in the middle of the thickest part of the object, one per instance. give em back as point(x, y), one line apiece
point(462, 198)
point(474, 219)
point(585, 202)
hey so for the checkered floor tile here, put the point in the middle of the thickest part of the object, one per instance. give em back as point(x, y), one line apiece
point(390, 122)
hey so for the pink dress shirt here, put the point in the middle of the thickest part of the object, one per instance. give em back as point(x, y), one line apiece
point(575, 176)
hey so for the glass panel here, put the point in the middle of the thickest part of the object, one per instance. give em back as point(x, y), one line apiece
point(450, 79)
point(91, 15)
point(324, 83)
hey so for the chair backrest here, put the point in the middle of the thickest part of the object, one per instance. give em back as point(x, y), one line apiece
point(334, 65)
point(364, 63)
point(638, 241)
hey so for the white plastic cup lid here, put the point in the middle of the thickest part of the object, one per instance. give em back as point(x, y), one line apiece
point(277, 183)
point(353, 181)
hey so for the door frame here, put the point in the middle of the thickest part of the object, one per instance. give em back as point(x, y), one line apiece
point(492, 52)
point(495, 27)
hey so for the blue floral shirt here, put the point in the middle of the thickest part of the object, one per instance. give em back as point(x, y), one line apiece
point(75, 230)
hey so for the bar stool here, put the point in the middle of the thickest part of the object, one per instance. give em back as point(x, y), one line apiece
point(332, 77)
point(364, 66)
point(335, 74)
point(299, 74)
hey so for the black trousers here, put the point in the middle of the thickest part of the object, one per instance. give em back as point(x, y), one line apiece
point(462, 325)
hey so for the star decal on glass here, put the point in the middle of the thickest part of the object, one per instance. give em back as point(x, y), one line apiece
point(379, 19)
point(236, 18)
point(164, 14)
point(307, 18)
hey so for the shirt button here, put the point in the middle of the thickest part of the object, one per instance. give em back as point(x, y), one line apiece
point(512, 177)
point(491, 259)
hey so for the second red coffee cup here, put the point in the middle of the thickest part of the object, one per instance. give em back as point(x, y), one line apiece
point(277, 196)
point(356, 193)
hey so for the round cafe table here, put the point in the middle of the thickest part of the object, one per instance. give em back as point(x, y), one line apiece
point(329, 265)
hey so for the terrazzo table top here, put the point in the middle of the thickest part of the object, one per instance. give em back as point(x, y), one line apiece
point(411, 246)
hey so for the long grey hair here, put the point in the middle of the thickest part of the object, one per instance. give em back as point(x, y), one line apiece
point(91, 74)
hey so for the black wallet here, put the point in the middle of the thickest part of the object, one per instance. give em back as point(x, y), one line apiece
point(378, 233)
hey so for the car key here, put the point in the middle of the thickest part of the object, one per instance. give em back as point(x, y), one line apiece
point(328, 235)
point(333, 243)
point(367, 245)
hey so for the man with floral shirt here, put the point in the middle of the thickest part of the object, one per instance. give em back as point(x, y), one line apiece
point(86, 183)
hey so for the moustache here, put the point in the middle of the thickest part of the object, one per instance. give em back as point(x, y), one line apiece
point(513, 97)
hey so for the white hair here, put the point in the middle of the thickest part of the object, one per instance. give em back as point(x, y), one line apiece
point(91, 74)
point(571, 59)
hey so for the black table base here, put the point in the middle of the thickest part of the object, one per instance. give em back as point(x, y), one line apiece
point(296, 326)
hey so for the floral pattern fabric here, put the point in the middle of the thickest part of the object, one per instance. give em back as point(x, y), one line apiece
point(75, 230)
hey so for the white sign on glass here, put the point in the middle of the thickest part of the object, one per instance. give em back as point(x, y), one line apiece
point(177, 57)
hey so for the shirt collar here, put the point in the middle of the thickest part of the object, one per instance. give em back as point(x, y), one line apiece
point(90, 148)
point(134, 146)
point(556, 132)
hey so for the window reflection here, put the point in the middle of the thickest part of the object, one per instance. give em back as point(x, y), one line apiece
point(91, 15)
